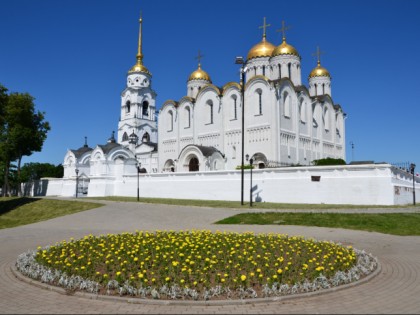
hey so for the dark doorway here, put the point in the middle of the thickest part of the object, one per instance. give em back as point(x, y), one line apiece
point(193, 166)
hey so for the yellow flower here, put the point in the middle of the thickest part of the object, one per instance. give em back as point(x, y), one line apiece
point(243, 277)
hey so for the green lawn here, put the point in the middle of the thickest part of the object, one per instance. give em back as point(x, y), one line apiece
point(237, 204)
point(389, 223)
point(21, 211)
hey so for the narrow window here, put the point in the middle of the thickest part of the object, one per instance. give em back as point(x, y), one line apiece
point(188, 117)
point(279, 71)
point(289, 66)
point(210, 104)
point(323, 88)
point(259, 103)
point(263, 70)
point(287, 101)
point(127, 107)
point(145, 108)
point(235, 108)
point(125, 137)
point(316, 89)
point(171, 121)
point(146, 137)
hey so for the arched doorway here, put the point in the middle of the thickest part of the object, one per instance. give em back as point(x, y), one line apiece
point(193, 165)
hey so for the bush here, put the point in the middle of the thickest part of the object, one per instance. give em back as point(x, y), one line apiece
point(328, 161)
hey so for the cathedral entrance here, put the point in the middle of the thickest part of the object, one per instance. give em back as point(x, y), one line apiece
point(193, 165)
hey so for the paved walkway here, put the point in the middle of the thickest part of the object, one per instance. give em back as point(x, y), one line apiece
point(395, 290)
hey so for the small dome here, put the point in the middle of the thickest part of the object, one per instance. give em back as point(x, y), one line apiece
point(139, 67)
point(285, 49)
point(319, 71)
point(262, 49)
point(199, 74)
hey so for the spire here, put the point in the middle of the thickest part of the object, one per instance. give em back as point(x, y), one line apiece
point(139, 50)
point(139, 67)
point(264, 27)
point(86, 145)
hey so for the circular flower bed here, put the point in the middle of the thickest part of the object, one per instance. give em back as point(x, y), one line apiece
point(196, 264)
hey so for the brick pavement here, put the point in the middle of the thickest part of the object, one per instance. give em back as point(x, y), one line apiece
point(396, 289)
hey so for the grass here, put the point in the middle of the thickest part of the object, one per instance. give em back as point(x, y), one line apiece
point(388, 223)
point(20, 211)
point(237, 205)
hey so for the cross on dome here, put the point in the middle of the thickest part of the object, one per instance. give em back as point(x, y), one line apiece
point(283, 29)
point(264, 27)
point(318, 53)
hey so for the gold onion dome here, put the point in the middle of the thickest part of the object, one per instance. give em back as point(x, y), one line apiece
point(262, 49)
point(319, 71)
point(285, 49)
point(139, 67)
point(199, 74)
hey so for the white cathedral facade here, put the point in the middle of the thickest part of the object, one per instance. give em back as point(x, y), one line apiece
point(285, 123)
point(192, 148)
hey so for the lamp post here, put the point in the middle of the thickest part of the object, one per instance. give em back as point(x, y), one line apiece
point(251, 162)
point(412, 168)
point(138, 165)
point(240, 61)
point(77, 181)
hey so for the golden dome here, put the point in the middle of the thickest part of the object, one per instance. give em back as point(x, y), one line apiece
point(319, 71)
point(285, 49)
point(199, 74)
point(139, 67)
point(262, 49)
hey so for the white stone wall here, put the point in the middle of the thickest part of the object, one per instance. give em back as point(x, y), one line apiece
point(349, 184)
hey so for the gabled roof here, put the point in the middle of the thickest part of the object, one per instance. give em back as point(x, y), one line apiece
point(80, 151)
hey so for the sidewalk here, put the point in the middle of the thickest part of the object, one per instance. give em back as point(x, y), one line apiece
point(395, 290)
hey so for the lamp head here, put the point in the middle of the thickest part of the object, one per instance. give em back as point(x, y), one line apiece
point(239, 60)
point(247, 157)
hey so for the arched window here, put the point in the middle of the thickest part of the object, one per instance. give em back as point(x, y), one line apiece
point(259, 92)
point(235, 107)
point(323, 88)
point(125, 137)
point(302, 111)
point(289, 67)
point(187, 117)
point(263, 70)
point(279, 71)
point(316, 89)
point(210, 105)
point(145, 108)
point(326, 119)
point(287, 105)
point(146, 137)
point(171, 121)
point(193, 165)
point(127, 106)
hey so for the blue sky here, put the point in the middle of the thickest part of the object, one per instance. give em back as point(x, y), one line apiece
point(73, 57)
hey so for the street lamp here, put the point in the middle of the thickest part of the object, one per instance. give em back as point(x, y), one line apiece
point(412, 168)
point(77, 181)
point(251, 162)
point(138, 165)
point(240, 61)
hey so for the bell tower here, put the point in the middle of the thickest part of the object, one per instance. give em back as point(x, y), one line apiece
point(138, 102)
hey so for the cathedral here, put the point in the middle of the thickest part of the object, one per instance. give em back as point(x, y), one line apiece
point(279, 120)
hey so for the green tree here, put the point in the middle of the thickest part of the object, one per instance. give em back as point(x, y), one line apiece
point(24, 132)
point(328, 161)
point(35, 171)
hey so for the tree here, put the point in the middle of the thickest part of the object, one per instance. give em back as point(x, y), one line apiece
point(328, 161)
point(24, 132)
point(35, 171)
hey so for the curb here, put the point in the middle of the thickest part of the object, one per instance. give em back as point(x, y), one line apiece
point(132, 300)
